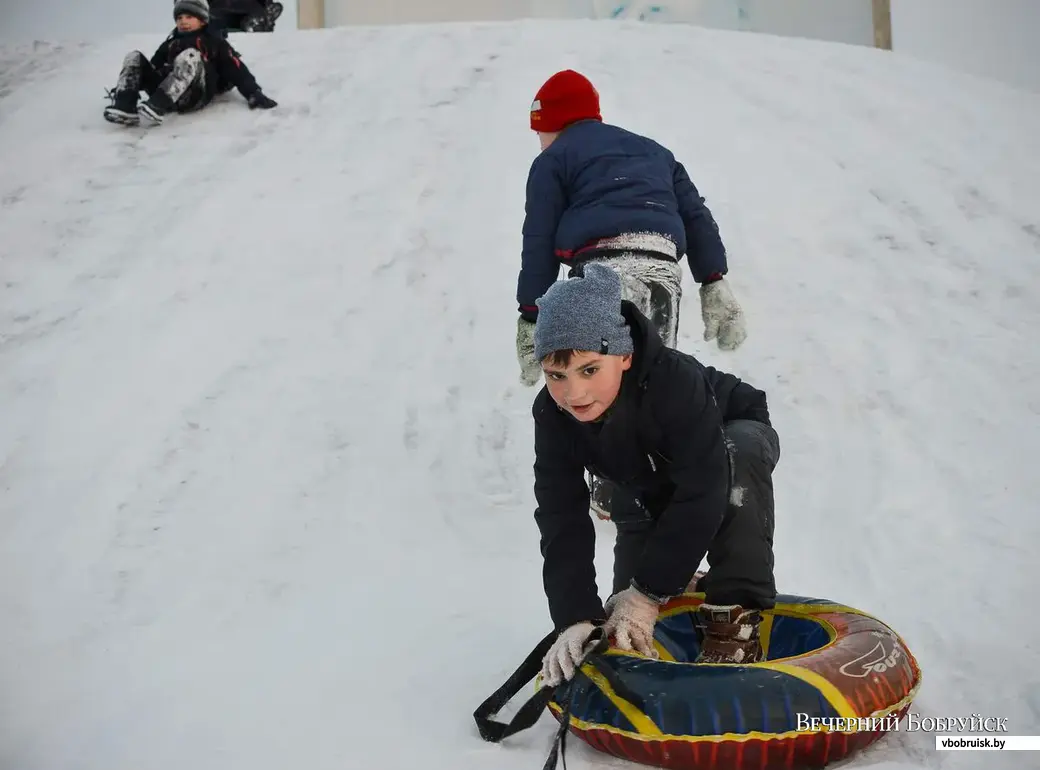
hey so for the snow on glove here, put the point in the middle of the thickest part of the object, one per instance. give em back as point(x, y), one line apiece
point(723, 317)
point(261, 100)
point(631, 621)
point(567, 653)
point(530, 369)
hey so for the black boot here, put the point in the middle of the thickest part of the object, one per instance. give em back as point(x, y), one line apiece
point(154, 111)
point(123, 109)
point(730, 634)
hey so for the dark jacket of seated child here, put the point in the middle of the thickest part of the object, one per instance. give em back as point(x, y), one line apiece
point(662, 439)
point(224, 68)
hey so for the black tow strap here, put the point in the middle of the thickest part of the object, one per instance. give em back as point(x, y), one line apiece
point(494, 732)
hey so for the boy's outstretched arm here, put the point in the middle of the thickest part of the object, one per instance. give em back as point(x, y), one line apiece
point(233, 70)
point(706, 255)
point(568, 535)
point(546, 201)
point(704, 248)
point(694, 442)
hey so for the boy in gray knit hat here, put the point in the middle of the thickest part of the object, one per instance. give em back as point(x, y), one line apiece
point(583, 314)
point(690, 448)
point(192, 66)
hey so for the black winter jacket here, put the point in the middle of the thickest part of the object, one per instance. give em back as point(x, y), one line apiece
point(224, 66)
point(662, 441)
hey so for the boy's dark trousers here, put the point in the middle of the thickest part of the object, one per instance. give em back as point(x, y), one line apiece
point(740, 557)
point(182, 89)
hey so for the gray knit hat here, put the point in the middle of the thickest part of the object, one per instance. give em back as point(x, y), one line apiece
point(197, 8)
point(583, 313)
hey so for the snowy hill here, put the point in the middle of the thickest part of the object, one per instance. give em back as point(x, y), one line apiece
point(265, 466)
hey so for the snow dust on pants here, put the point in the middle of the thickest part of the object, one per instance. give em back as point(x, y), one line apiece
point(652, 284)
point(740, 556)
point(184, 87)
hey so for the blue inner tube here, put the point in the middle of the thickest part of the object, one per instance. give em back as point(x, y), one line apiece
point(825, 661)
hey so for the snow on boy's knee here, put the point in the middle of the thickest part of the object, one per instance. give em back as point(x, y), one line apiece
point(191, 56)
point(736, 496)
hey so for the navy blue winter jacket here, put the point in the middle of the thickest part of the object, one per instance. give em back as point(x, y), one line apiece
point(599, 181)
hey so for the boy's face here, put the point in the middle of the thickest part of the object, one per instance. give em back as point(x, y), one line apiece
point(188, 23)
point(587, 386)
point(545, 139)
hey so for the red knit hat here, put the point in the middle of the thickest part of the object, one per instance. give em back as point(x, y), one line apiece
point(566, 97)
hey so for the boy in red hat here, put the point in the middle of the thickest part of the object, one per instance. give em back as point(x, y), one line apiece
point(600, 193)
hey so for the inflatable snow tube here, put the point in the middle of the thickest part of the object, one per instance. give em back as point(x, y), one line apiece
point(834, 681)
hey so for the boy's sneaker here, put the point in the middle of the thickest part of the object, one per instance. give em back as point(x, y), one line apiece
point(150, 113)
point(729, 634)
point(153, 111)
point(123, 109)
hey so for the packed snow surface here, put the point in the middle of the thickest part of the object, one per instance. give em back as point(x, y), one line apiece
point(265, 464)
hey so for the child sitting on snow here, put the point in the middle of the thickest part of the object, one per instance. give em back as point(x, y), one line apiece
point(191, 66)
point(692, 444)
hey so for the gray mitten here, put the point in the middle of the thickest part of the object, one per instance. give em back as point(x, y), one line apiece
point(566, 655)
point(633, 616)
point(530, 369)
point(723, 316)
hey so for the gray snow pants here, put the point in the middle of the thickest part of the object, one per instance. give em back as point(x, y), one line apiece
point(740, 556)
point(183, 89)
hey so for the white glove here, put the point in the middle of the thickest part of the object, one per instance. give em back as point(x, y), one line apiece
point(723, 317)
point(530, 369)
point(567, 653)
point(631, 621)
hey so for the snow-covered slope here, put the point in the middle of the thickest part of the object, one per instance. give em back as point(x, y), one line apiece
point(265, 487)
